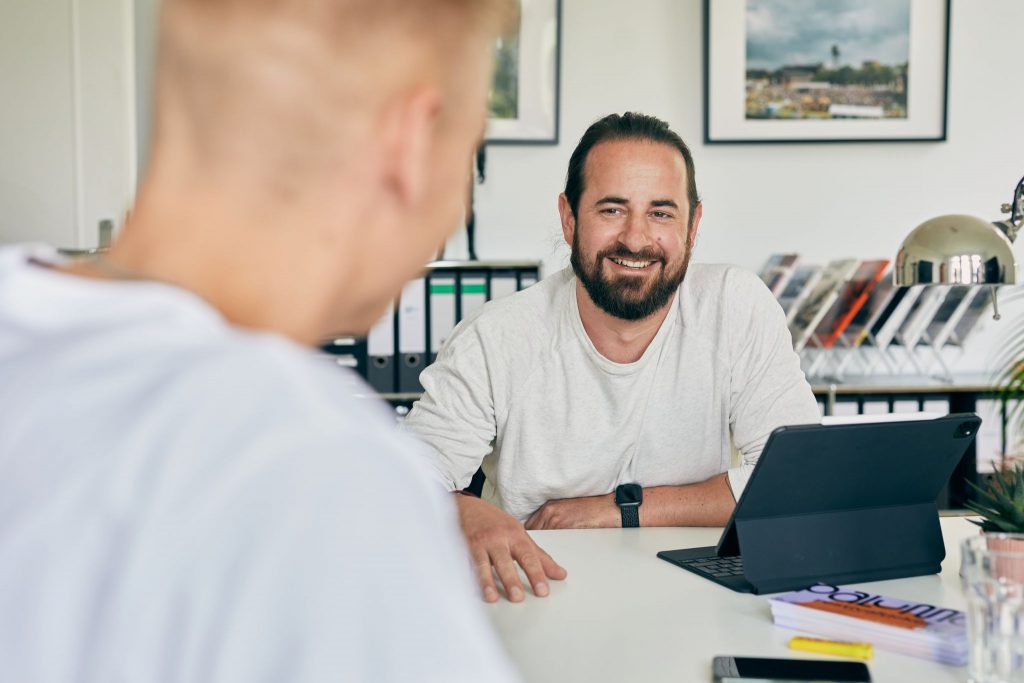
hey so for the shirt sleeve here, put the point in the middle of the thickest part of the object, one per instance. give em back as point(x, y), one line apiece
point(455, 417)
point(767, 387)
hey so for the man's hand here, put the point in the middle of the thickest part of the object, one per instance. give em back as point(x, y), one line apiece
point(497, 542)
point(592, 512)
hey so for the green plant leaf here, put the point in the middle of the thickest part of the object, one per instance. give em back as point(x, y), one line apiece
point(1001, 503)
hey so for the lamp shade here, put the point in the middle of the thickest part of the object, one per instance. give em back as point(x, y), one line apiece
point(955, 250)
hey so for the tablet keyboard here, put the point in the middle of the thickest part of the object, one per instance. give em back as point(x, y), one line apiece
point(717, 567)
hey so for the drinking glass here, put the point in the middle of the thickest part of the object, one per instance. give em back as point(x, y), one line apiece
point(992, 572)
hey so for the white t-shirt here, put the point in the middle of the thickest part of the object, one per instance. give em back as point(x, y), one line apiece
point(520, 388)
point(182, 500)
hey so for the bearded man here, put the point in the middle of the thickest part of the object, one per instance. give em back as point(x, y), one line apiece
point(617, 392)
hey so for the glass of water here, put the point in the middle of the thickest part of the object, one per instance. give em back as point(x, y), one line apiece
point(992, 570)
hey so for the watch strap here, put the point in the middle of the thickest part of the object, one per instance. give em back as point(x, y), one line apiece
point(630, 516)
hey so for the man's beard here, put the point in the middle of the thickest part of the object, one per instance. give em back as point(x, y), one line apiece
point(625, 296)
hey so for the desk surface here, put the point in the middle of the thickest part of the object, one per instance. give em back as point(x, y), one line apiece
point(624, 615)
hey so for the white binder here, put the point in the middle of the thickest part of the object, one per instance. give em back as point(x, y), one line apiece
point(474, 293)
point(442, 310)
point(412, 335)
point(380, 352)
point(502, 284)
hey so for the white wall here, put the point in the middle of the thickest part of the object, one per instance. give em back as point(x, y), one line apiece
point(146, 16)
point(37, 184)
point(67, 119)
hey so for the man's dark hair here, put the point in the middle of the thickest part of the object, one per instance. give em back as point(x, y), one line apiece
point(628, 126)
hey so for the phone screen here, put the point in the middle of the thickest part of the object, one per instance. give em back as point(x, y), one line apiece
point(748, 669)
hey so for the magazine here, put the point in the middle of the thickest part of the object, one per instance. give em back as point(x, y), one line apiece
point(953, 308)
point(918, 629)
point(777, 271)
point(851, 299)
point(972, 316)
point(821, 298)
point(924, 310)
point(877, 303)
point(884, 328)
point(796, 290)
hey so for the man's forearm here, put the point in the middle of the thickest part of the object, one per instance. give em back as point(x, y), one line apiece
point(708, 503)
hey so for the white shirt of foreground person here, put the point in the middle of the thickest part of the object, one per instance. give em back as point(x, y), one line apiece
point(181, 500)
point(521, 388)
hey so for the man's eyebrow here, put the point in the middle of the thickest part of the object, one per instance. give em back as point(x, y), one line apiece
point(611, 200)
point(665, 202)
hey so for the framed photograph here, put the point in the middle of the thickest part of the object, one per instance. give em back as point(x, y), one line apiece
point(524, 95)
point(825, 70)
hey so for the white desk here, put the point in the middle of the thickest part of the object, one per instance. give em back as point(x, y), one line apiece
point(624, 615)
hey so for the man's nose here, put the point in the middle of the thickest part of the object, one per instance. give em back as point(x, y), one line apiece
point(636, 236)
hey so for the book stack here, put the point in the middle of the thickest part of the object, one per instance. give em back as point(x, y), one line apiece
point(903, 626)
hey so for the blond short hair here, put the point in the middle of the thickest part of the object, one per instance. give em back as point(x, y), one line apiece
point(231, 73)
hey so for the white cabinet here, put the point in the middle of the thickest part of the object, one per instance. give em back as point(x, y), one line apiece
point(67, 119)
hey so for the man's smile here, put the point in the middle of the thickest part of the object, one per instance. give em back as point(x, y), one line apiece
point(630, 263)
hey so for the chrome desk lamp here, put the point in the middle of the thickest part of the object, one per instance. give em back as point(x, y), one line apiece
point(963, 250)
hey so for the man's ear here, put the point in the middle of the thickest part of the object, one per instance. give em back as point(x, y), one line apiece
point(407, 132)
point(568, 218)
point(698, 213)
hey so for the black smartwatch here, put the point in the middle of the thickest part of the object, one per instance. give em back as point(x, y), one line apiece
point(628, 497)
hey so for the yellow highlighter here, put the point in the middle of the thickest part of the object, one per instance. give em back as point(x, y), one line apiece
point(832, 647)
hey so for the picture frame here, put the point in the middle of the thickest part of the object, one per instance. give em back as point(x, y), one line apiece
point(792, 71)
point(524, 98)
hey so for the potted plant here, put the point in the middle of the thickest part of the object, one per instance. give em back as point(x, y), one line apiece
point(1001, 507)
point(1001, 503)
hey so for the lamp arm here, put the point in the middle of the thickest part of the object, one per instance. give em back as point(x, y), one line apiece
point(1017, 210)
point(1011, 228)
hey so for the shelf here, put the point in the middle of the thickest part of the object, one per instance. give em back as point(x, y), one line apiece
point(903, 384)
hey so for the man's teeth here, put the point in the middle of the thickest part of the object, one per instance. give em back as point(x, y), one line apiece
point(632, 264)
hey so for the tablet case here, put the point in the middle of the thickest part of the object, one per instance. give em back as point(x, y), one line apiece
point(843, 504)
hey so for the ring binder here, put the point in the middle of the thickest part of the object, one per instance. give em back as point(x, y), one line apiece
point(416, 327)
point(412, 335)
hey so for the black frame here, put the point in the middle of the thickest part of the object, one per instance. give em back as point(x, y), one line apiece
point(789, 141)
point(558, 93)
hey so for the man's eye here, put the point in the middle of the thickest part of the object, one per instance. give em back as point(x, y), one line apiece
point(611, 210)
point(661, 214)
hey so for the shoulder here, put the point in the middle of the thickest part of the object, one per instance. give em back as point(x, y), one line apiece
point(261, 398)
point(266, 369)
point(726, 291)
point(521, 319)
point(724, 281)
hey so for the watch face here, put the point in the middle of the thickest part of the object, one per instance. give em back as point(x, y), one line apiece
point(629, 494)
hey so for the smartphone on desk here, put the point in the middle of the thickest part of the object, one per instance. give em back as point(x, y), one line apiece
point(762, 670)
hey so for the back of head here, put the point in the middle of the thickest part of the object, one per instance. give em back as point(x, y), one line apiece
point(260, 80)
point(628, 126)
point(337, 131)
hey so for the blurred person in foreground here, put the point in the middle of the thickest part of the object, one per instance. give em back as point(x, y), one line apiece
point(188, 492)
